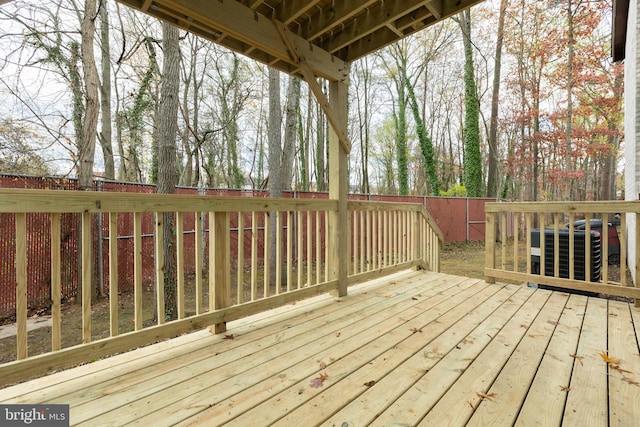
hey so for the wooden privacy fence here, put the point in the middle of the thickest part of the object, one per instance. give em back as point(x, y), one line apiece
point(564, 256)
point(386, 237)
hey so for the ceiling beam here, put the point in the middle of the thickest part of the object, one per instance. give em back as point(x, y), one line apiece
point(378, 17)
point(333, 17)
point(293, 9)
point(227, 18)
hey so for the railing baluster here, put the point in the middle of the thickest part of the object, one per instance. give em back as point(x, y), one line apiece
point(254, 256)
point(503, 238)
point(309, 247)
point(199, 259)
point(278, 251)
point(21, 285)
point(56, 283)
point(113, 271)
point(240, 268)
point(87, 278)
point(137, 267)
point(299, 248)
point(556, 245)
point(623, 250)
point(587, 249)
point(604, 253)
point(572, 245)
point(516, 249)
point(289, 251)
point(159, 258)
point(180, 299)
point(267, 254)
point(318, 246)
point(490, 243)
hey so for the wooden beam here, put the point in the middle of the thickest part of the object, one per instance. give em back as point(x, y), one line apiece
point(378, 17)
point(287, 12)
point(334, 17)
point(239, 22)
point(299, 58)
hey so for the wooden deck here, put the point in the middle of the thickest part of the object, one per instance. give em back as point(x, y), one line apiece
point(414, 348)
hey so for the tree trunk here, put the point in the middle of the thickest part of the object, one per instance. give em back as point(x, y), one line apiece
point(569, 126)
point(105, 92)
point(275, 159)
point(492, 173)
point(87, 143)
point(291, 120)
point(471, 130)
point(167, 130)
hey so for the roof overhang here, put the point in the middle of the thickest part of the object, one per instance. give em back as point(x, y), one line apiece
point(328, 34)
point(619, 31)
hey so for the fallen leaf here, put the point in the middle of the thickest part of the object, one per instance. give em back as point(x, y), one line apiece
point(578, 358)
point(414, 298)
point(552, 322)
point(337, 334)
point(630, 381)
point(229, 337)
point(608, 359)
point(369, 383)
point(471, 404)
point(565, 388)
point(318, 381)
point(323, 365)
point(619, 369)
point(487, 396)
point(416, 330)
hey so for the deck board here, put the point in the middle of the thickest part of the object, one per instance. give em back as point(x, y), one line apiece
point(413, 348)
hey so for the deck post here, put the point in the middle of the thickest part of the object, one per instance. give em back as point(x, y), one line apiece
point(338, 232)
point(219, 266)
point(490, 244)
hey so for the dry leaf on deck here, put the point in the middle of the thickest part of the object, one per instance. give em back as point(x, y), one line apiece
point(229, 337)
point(578, 358)
point(565, 388)
point(415, 330)
point(487, 396)
point(608, 359)
point(318, 382)
point(630, 381)
point(323, 365)
point(369, 383)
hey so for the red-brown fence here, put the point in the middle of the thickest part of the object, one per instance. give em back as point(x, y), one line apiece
point(460, 219)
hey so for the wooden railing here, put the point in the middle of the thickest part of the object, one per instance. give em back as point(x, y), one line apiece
point(228, 281)
point(509, 227)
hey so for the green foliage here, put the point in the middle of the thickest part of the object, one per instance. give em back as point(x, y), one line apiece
point(456, 190)
point(471, 130)
point(402, 157)
point(426, 145)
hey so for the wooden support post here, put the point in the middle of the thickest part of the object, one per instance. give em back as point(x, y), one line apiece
point(219, 265)
point(490, 244)
point(338, 188)
point(137, 270)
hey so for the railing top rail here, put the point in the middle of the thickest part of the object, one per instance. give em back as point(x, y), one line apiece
point(63, 201)
point(611, 206)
